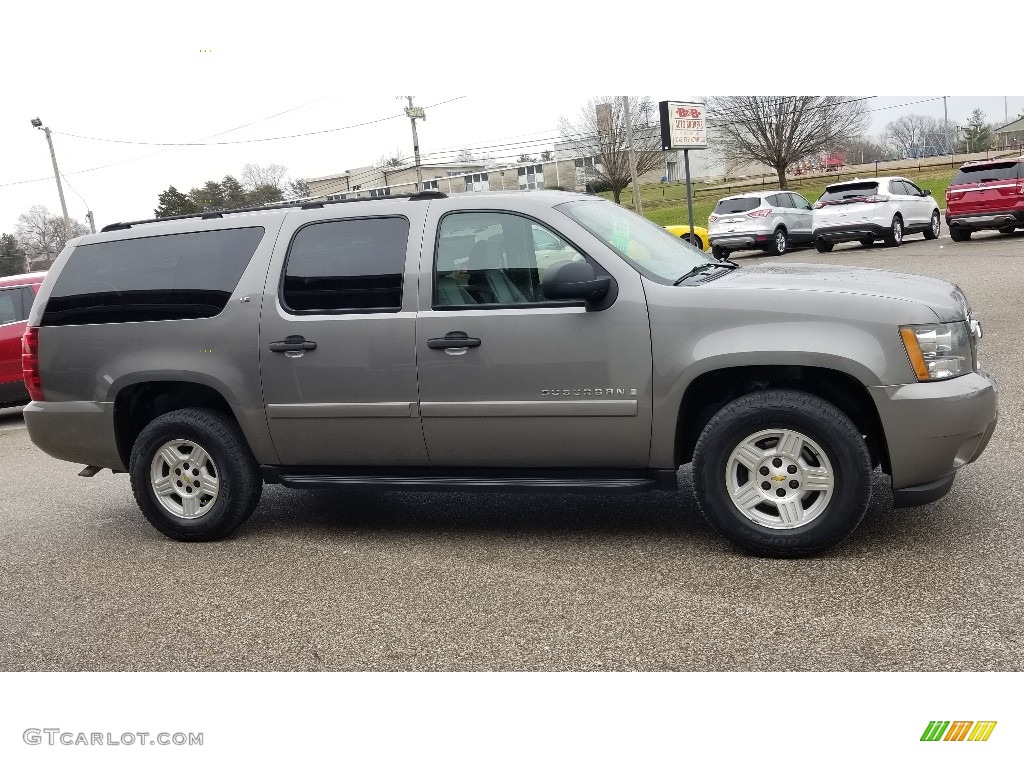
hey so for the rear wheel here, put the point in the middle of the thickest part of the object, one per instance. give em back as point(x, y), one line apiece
point(782, 473)
point(193, 475)
point(934, 227)
point(823, 245)
point(867, 241)
point(694, 240)
point(719, 252)
point(894, 237)
point(958, 235)
point(780, 242)
point(1007, 230)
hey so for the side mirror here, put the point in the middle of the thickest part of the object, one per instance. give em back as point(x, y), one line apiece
point(925, 192)
point(574, 280)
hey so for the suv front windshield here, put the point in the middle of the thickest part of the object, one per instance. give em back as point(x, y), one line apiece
point(648, 248)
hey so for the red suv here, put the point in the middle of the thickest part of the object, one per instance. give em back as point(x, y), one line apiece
point(16, 296)
point(986, 194)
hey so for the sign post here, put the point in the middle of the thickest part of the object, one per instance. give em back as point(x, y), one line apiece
point(684, 126)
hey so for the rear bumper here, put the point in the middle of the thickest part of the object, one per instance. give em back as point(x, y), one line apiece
point(736, 241)
point(986, 220)
point(843, 232)
point(80, 432)
point(934, 428)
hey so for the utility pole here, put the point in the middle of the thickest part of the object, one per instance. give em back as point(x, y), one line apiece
point(414, 114)
point(637, 205)
point(92, 221)
point(945, 122)
point(37, 123)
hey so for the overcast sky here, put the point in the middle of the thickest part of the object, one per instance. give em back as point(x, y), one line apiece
point(174, 80)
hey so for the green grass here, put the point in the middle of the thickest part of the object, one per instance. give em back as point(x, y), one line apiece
point(665, 204)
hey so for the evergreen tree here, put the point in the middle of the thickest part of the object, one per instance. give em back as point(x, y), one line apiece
point(174, 203)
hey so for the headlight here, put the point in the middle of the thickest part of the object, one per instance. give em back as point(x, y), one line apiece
point(939, 351)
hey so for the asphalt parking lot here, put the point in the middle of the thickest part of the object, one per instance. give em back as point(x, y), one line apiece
point(399, 581)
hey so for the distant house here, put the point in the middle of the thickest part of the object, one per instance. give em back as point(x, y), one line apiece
point(1011, 135)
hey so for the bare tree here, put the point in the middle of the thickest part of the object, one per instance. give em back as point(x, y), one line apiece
point(465, 156)
point(255, 176)
point(912, 135)
point(43, 235)
point(599, 132)
point(395, 159)
point(547, 155)
point(780, 130)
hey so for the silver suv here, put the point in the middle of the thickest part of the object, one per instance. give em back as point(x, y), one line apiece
point(771, 221)
point(538, 341)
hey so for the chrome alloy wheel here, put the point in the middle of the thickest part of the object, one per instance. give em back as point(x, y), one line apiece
point(779, 478)
point(897, 231)
point(184, 479)
point(936, 224)
point(780, 242)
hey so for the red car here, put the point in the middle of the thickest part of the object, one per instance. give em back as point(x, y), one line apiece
point(986, 194)
point(16, 296)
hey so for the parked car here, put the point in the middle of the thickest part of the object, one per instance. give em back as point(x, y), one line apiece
point(17, 294)
point(772, 221)
point(411, 343)
point(699, 238)
point(884, 208)
point(986, 194)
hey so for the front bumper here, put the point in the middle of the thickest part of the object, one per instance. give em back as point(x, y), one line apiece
point(987, 220)
point(80, 432)
point(932, 429)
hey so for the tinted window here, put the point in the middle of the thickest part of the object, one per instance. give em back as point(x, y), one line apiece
point(737, 205)
point(168, 277)
point(989, 172)
point(355, 265)
point(898, 188)
point(779, 201)
point(848, 193)
point(494, 259)
point(800, 202)
point(10, 306)
point(28, 298)
point(912, 188)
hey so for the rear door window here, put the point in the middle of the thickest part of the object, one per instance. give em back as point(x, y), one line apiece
point(737, 205)
point(166, 277)
point(849, 193)
point(10, 306)
point(350, 265)
point(989, 172)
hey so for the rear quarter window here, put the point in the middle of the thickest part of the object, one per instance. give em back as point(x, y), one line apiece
point(165, 277)
point(737, 205)
point(979, 174)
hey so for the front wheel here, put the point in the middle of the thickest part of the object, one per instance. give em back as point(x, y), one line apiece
point(822, 245)
point(934, 227)
point(782, 473)
point(867, 242)
point(193, 475)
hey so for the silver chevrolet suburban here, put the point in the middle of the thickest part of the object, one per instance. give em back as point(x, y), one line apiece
point(523, 341)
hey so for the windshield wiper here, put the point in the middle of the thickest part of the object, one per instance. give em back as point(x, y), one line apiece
point(701, 268)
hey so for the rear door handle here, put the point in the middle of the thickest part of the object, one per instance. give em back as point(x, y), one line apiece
point(454, 340)
point(293, 344)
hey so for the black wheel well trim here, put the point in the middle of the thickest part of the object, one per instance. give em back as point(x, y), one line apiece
point(138, 403)
point(712, 390)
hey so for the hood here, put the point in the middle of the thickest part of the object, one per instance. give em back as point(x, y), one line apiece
point(944, 298)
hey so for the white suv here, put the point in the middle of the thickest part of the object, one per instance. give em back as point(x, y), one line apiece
point(771, 221)
point(882, 208)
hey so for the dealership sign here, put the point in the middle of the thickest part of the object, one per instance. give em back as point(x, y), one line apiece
point(683, 125)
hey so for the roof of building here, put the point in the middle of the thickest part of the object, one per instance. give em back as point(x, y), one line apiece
point(1012, 127)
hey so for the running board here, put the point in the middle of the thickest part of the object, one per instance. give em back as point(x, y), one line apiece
point(536, 481)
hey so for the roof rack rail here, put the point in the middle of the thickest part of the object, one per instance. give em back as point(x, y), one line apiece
point(427, 194)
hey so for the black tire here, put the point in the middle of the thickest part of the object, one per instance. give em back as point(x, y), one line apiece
point(958, 235)
point(894, 235)
point(934, 227)
point(823, 245)
point(719, 252)
point(1007, 230)
point(694, 239)
point(867, 242)
point(780, 242)
point(231, 464)
point(816, 420)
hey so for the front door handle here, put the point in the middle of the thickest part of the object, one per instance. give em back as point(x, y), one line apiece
point(453, 340)
point(293, 344)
